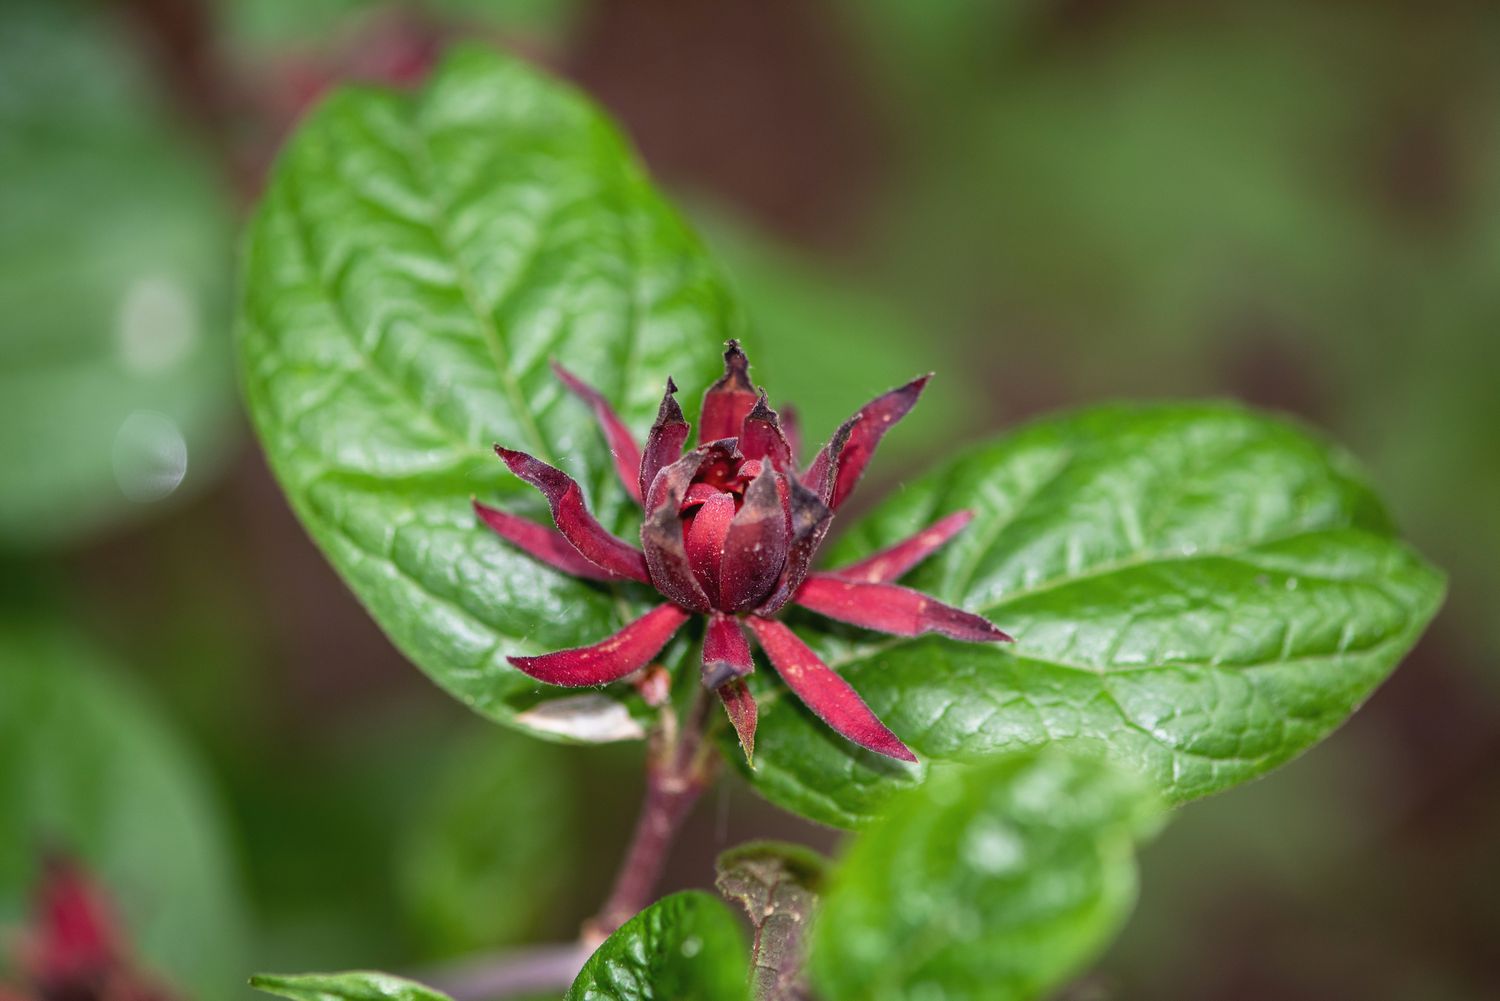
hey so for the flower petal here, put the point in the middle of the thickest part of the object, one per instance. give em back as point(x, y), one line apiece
point(627, 454)
point(705, 541)
point(728, 401)
point(726, 652)
point(866, 428)
point(628, 650)
point(888, 608)
point(661, 532)
point(739, 704)
point(573, 518)
point(891, 563)
point(761, 437)
point(546, 544)
point(824, 692)
point(756, 545)
point(665, 440)
point(809, 519)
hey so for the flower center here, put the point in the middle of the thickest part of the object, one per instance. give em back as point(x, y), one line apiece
point(710, 504)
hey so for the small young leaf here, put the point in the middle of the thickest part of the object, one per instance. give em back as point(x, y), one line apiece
point(778, 886)
point(357, 985)
point(1199, 590)
point(686, 947)
point(415, 263)
point(994, 881)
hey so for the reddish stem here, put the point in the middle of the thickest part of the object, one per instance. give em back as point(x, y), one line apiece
point(677, 772)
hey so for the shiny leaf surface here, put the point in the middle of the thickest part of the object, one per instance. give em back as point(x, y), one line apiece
point(1202, 591)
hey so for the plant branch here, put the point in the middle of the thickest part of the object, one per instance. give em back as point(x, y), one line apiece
point(541, 969)
point(680, 765)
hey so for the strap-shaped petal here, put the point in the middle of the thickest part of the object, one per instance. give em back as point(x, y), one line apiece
point(892, 563)
point(628, 650)
point(861, 433)
point(728, 401)
point(726, 652)
point(627, 454)
point(824, 691)
point(890, 608)
point(573, 519)
point(546, 544)
point(739, 704)
point(665, 440)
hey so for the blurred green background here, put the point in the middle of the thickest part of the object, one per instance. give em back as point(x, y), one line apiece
point(1047, 202)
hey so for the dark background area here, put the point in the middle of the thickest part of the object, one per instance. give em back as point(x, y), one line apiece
point(1048, 203)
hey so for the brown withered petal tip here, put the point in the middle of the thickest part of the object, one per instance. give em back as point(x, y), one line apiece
point(730, 530)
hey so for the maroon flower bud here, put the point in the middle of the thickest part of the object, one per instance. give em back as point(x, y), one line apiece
point(74, 949)
point(730, 530)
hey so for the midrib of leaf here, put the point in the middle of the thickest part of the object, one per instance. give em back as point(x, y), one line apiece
point(312, 263)
point(418, 154)
point(1101, 571)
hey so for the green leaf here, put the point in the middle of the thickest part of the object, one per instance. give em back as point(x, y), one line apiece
point(481, 864)
point(1201, 591)
point(686, 947)
point(115, 362)
point(87, 766)
point(416, 261)
point(357, 985)
point(777, 884)
point(994, 881)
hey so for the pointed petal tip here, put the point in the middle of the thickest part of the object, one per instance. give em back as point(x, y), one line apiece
point(671, 386)
point(736, 362)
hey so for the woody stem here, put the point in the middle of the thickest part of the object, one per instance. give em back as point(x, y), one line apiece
point(677, 772)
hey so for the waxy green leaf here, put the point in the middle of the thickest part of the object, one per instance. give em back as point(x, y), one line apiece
point(686, 947)
point(357, 985)
point(994, 881)
point(415, 263)
point(1201, 591)
point(777, 884)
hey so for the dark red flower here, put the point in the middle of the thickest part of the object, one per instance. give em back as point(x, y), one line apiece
point(74, 949)
point(730, 531)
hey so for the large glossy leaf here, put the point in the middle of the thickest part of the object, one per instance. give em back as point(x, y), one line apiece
point(995, 881)
point(1201, 591)
point(686, 947)
point(416, 261)
point(115, 242)
point(88, 769)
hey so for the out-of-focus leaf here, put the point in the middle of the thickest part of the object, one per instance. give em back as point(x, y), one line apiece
point(88, 768)
point(485, 860)
point(1202, 591)
point(996, 882)
point(778, 885)
point(358, 985)
point(416, 261)
point(114, 262)
point(686, 947)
